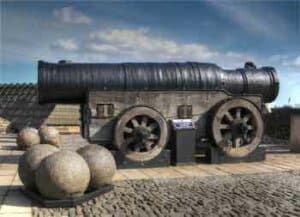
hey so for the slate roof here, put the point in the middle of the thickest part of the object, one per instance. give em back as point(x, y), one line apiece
point(19, 105)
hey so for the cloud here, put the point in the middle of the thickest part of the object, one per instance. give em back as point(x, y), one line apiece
point(101, 48)
point(253, 19)
point(296, 62)
point(285, 60)
point(70, 15)
point(140, 45)
point(65, 44)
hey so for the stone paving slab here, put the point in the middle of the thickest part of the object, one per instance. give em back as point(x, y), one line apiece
point(15, 214)
point(16, 202)
point(6, 179)
point(161, 172)
point(211, 169)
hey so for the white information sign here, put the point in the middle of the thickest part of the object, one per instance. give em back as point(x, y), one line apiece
point(182, 124)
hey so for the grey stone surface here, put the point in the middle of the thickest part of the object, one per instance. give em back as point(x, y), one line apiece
point(272, 194)
point(29, 162)
point(49, 135)
point(28, 137)
point(72, 142)
point(101, 163)
point(64, 174)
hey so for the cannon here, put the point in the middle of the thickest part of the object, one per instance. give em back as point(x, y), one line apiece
point(128, 107)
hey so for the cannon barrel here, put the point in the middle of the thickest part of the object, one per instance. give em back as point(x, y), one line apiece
point(67, 82)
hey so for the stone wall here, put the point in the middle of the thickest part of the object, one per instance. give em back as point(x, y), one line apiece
point(277, 123)
point(19, 108)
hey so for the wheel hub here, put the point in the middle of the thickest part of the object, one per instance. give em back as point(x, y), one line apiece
point(141, 134)
point(239, 128)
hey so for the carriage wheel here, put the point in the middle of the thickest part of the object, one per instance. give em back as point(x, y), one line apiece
point(141, 133)
point(237, 127)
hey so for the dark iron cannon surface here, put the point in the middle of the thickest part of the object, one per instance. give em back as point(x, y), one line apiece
point(66, 82)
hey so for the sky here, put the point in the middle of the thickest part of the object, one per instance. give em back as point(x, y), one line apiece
point(227, 33)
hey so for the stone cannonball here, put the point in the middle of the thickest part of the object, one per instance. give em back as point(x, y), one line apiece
point(30, 161)
point(64, 174)
point(28, 137)
point(101, 163)
point(49, 135)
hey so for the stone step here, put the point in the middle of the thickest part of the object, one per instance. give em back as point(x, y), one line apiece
point(10, 135)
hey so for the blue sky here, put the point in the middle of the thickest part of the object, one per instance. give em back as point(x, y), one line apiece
point(227, 33)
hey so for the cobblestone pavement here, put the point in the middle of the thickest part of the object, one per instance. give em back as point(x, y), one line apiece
point(272, 194)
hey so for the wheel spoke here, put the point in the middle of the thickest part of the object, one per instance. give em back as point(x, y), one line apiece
point(224, 126)
point(228, 138)
point(246, 138)
point(144, 121)
point(148, 145)
point(229, 116)
point(128, 130)
point(135, 123)
point(249, 127)
point(238, 113)
point(152, 126)
point(228, 135)
point(246, 118)
point(153, 136)
point(237, 142)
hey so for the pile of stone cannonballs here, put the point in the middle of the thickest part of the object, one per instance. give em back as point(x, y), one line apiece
point(28, 137)
point(61, 174)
